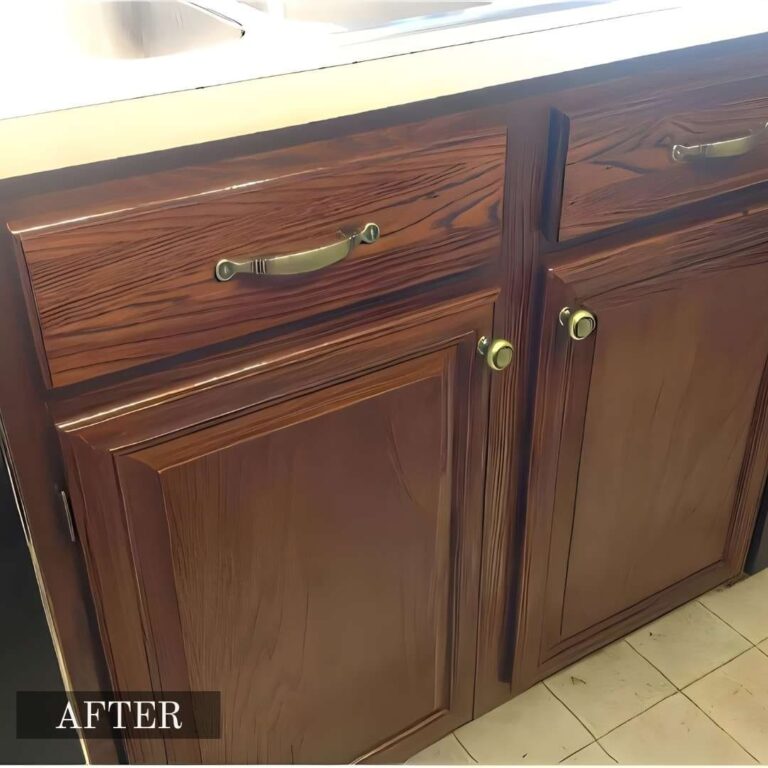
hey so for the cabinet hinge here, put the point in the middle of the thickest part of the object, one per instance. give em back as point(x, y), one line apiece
point(68, 515)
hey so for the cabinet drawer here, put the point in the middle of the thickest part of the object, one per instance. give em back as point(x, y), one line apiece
point(620, 159)
point(114, 291)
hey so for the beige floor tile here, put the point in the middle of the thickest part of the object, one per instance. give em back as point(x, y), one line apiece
point(532, 728)
point(674, 732)
point(688, 643)
point(736, 698)
point(594, 754)
point(610, 687)
point(447, 751)
point(764, 647)
point(744, 606)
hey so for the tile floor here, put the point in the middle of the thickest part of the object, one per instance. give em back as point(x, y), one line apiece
point(690, 688)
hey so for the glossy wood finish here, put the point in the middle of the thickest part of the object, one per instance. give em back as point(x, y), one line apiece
point(38, 475)
point(117, 290)
point(619, 166)
point(651, 443)
point(30, 407)
point(175, 376)
point(268, 566)
point(516, 320)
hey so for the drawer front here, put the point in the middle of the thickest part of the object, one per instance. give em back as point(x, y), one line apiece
point(112, 292)
point(620, 163)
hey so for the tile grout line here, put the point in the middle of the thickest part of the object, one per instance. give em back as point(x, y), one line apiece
point(683, 693)
point(634, 717)
point(712, 720)
point(586, 727)
point(606, 752)
point(629, 720)
point(594, 741)
point(655, 667)
point(597, 738)
point(719, 666)
point(701, 677)
point(472, 757)
point(706, 607)
point(676, 690)
point(714, 669)
point(469, 754)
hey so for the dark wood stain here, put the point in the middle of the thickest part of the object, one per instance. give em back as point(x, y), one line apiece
point(652, 443)
point(619, 164)
point(670, 258)
point(39, 470)
point(511, 407)
point(248, 521)
point(124, 289)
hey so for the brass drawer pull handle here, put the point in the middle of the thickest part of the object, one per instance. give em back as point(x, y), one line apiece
point(300, 263)
point(729, 148)
point(581, 323)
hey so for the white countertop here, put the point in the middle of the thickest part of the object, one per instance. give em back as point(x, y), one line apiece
point(80, 111)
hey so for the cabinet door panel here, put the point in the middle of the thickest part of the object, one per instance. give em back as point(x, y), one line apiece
point(651, 436)
point(314, 559)
point(671, 400)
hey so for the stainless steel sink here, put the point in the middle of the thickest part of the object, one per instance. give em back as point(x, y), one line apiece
point(133, 29)
point(362, 14)
point(398, 17)
point(60, 54)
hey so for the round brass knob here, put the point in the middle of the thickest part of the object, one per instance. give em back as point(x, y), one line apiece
point(498, 353)
point(580, 323)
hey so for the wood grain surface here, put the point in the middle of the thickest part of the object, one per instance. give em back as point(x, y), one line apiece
point(120, 290)
point(716, 90)
point(651, 444)
point(516, 319)
point(330, 595)
point(619, 164)
point(38, 472)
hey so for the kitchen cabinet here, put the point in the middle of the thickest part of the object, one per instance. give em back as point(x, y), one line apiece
point(651, 434)
point(304, 539)
point(484, 390)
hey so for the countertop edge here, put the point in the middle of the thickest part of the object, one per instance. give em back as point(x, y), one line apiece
point(79, 136)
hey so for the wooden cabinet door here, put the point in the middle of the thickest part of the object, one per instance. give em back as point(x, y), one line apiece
point(302, 537)
point(650, 440)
